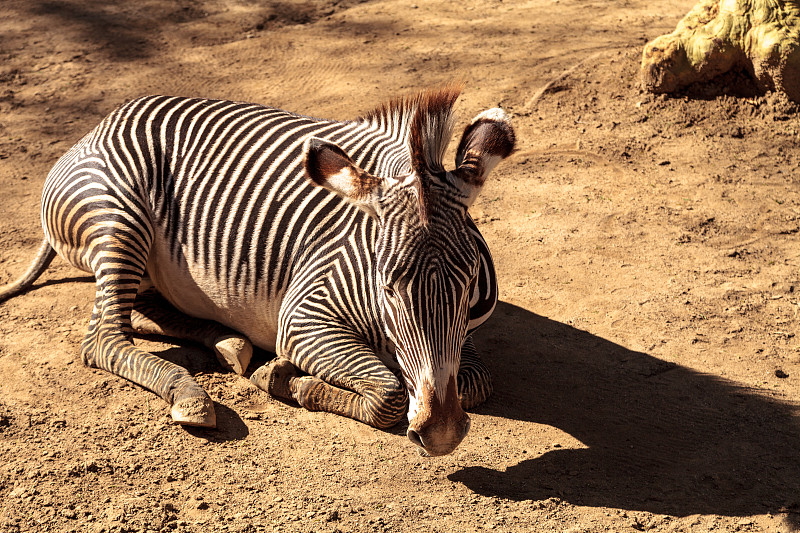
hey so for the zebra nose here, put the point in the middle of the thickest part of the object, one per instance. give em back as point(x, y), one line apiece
point(414, 437)
point(439, 438)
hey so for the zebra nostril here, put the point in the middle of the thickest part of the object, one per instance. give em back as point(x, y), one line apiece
point(414, 437)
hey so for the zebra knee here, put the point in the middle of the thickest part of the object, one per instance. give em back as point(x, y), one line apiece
point(386, 405)
point(98, 343)
point(89, 348)
point(474, 387)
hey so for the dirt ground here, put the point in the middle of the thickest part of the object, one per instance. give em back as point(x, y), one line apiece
point(645, 350)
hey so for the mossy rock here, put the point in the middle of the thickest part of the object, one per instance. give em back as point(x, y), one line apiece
point(717, 36)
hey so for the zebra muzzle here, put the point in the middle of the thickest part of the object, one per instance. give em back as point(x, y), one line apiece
point(439, 426)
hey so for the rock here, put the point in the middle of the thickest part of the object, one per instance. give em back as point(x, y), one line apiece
point(114, 514)
point(720, 36)
point(18, 491)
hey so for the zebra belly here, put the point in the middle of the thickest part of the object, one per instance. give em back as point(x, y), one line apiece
point(191, 290)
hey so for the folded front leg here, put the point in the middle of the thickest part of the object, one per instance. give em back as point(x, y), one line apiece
point(474, 379)
point(345, 377)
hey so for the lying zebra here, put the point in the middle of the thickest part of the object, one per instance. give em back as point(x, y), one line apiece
point(344, 247)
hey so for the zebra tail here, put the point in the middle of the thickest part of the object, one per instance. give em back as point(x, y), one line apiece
point(40, 264)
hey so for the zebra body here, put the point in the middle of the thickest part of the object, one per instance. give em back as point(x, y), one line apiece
point(277, 226)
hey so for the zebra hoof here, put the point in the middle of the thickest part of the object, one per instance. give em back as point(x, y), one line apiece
point(233, 353)
point(197, 412)
point(274, 378)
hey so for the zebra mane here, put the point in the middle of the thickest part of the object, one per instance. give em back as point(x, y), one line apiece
point(426, 119)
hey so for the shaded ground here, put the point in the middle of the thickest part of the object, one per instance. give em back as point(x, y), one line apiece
point(645, 351)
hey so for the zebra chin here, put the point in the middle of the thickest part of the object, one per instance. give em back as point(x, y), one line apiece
point(439, 426)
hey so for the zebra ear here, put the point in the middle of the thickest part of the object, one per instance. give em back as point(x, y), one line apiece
point(330, 167)
point(487, 140)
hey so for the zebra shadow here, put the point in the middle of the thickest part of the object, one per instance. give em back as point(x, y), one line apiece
point(658, 437)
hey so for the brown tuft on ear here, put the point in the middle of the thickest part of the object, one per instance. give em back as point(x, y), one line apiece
point(487, 140)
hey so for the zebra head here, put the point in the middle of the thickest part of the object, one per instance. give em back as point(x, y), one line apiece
point(426, 258)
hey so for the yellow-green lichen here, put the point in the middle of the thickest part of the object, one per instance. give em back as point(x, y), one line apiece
point(762, 36)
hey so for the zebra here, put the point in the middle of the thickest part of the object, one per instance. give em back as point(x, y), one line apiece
point(344, 247)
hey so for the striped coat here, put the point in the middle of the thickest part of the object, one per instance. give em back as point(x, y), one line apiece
point(344, 247)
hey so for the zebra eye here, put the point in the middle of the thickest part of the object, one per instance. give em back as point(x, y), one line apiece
point(389, 292)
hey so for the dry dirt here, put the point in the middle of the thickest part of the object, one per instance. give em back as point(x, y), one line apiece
point(645, 352)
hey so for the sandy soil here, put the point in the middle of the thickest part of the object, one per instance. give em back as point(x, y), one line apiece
point(645, 354)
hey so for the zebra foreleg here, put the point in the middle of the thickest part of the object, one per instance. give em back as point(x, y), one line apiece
point(108, 345)
point(474, 379)
point(353, 382)
point(153, 315)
